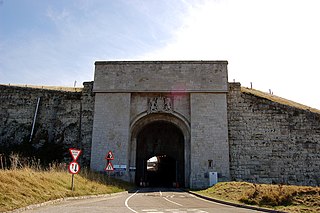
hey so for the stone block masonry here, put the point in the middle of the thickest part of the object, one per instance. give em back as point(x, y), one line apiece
point(160, 76)
point(114, 134)
point(271, 142)
point(241, 135)
point(64, 120)
point(209, 138)
point(191, 93)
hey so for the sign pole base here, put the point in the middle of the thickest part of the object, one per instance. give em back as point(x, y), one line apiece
point(72, 182)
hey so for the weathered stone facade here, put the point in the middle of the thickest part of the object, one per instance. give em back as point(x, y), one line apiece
point(64, 120)
point(240, 135)
point(192, 93)
point(271, 142)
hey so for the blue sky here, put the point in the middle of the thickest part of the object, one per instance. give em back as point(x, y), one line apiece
point(272, 43)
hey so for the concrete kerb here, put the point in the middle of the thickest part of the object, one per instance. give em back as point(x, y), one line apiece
point(33, 206)
point(234, 204)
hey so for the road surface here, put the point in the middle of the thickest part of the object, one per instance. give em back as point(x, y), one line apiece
point(146, 200)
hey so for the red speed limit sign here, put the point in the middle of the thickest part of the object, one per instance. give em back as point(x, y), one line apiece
point(74, 167)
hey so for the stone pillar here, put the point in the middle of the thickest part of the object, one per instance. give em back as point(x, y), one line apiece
point(110, 129)
point(209, 138)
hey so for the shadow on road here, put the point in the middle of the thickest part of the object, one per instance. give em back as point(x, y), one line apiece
point(155, 189)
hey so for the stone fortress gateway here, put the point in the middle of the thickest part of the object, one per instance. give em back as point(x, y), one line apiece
point(177, 110)
point(184, 114)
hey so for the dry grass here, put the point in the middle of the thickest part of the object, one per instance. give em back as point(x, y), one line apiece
point(278, 99)
point(280, 197)
point(59, 88)
point(25, 184)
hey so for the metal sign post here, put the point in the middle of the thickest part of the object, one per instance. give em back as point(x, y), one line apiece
point(72, 182)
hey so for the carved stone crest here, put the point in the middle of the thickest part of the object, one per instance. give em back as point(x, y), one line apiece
point(160, 104)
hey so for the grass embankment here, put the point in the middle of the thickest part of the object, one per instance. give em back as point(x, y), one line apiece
point(278, 99)
point(280, 197)
point(23, 187)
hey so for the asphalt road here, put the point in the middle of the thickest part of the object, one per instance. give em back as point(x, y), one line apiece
point(147, 200)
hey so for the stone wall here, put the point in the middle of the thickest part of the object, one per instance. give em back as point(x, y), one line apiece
point(271, 142)
point(268, 142)
point(209, 138)
point(64, 120)
point(160, 76)
point(110, 129)
point(148, 88)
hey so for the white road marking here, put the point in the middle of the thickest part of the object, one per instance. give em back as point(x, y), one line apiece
point(126, 202)
point(167, 210)
point(172, 201)
point(174, 210)
point(156, 212)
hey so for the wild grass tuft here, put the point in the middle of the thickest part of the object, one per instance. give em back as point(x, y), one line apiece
point(26, 182)
point(268, 195)
point(281, 197)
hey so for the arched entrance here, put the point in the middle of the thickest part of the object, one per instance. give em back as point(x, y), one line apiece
point(160, 150)
point(160, 155)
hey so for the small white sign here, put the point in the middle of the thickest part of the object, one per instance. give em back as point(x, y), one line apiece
point(132, 168)
point(120, 167)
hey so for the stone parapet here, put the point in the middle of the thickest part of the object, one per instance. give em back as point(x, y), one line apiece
point(160, 76)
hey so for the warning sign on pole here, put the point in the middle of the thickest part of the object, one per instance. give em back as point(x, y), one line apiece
point(109, 167)
point(74, 167)
point(109, 156)
point(75, 153)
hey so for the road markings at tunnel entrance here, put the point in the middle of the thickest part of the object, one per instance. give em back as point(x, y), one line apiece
point(170, 200)
point(126, 202)
point(173, 211)
point(163, 210)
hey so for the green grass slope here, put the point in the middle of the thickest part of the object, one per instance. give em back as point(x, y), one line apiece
point(23, 187)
